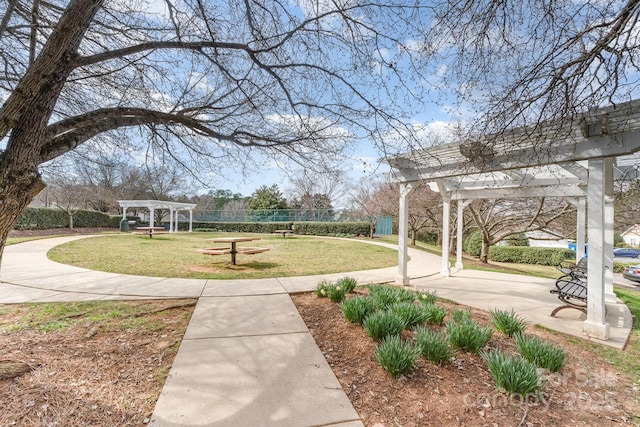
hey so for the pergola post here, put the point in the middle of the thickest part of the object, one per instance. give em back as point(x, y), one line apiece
point(402, 278)
point(595, 325)
point(190, 220)
point(151, 216)
point(609, 296)
point(171, 212)
point(580, 231)
point(461, 205)
point(446, 230)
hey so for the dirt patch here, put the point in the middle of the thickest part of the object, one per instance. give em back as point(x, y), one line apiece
point(587, 392)
point(105, 372)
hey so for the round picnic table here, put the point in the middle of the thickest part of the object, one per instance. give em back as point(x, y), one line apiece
point(233, 241)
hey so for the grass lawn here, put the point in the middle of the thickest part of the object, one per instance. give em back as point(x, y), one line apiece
point(174, 255)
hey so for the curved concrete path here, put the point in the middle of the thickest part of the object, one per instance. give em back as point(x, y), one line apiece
point(247, 357)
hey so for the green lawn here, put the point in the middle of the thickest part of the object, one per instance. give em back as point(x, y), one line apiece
point(174, 255)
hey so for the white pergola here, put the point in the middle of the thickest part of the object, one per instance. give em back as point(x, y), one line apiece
point(174, 209)
point(574, 159)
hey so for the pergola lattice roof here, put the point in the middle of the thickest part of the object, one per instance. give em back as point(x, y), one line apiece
point(551, 154)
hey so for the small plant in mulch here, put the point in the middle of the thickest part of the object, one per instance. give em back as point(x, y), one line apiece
point(427, 297)
point(460, 314)
point(385, 295)
point(383, 323)
point(509, 323)
point(396, 356)
point(336, 293)
point(512, 374)
point(433, 345)
point(356, 309)
point(410, 313)
point(542, 354)
point(348, 283)
point(321, 288)
point(434, 314)
point(468, 335)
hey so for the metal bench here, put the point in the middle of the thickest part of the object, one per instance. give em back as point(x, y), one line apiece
point(572, 291)
point(576, 270)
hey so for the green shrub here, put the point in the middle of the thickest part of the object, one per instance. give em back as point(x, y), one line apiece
point(427, 297)
point(435, 314)
point(468, 335)
point(396, 356)
point(349, 283)
point(321, 288)
point(383, 323)
point(336, 293)
point(385, 295)
point(544, 355)
point(47, 218)
point(432, 345)
point(472, 244)
point(315, 228)
point(512, 374)
point(509, 323)
point(268, 222)
point(356, 309)
point(530, 255)
point(410, 313)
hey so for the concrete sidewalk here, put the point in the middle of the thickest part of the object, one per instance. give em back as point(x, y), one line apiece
point(247, 357)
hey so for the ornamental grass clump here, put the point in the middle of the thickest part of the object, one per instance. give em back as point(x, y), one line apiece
point(321, 288)
point(348, 283)
point(383, 323)
point(410, 313)
point(460, 314)
point(396, 356)
point(468, 335)
point(512, 374)
point(509, 323)
point(385, 295)
point(435, 314)
point(356, 309)
point(336, 293)
point(433, 345)
point(542, 354)
point(427, 297)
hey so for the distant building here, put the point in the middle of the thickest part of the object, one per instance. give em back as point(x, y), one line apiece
point(546, 239)
point(631, 236)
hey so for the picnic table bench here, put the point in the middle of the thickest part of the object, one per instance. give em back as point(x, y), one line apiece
point(283, 232)
point(233, 250)
point(150, 231)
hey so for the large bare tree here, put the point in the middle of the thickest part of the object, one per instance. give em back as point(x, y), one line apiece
point(497, 219)
point(210, 83)
point(526, 62)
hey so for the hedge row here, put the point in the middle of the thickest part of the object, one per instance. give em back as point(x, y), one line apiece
point(46, 218)
point(529, 255)
point(309, 228)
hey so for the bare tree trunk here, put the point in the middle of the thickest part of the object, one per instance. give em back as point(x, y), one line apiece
point(27, 111)
point(413, 237)
point(484, 252)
